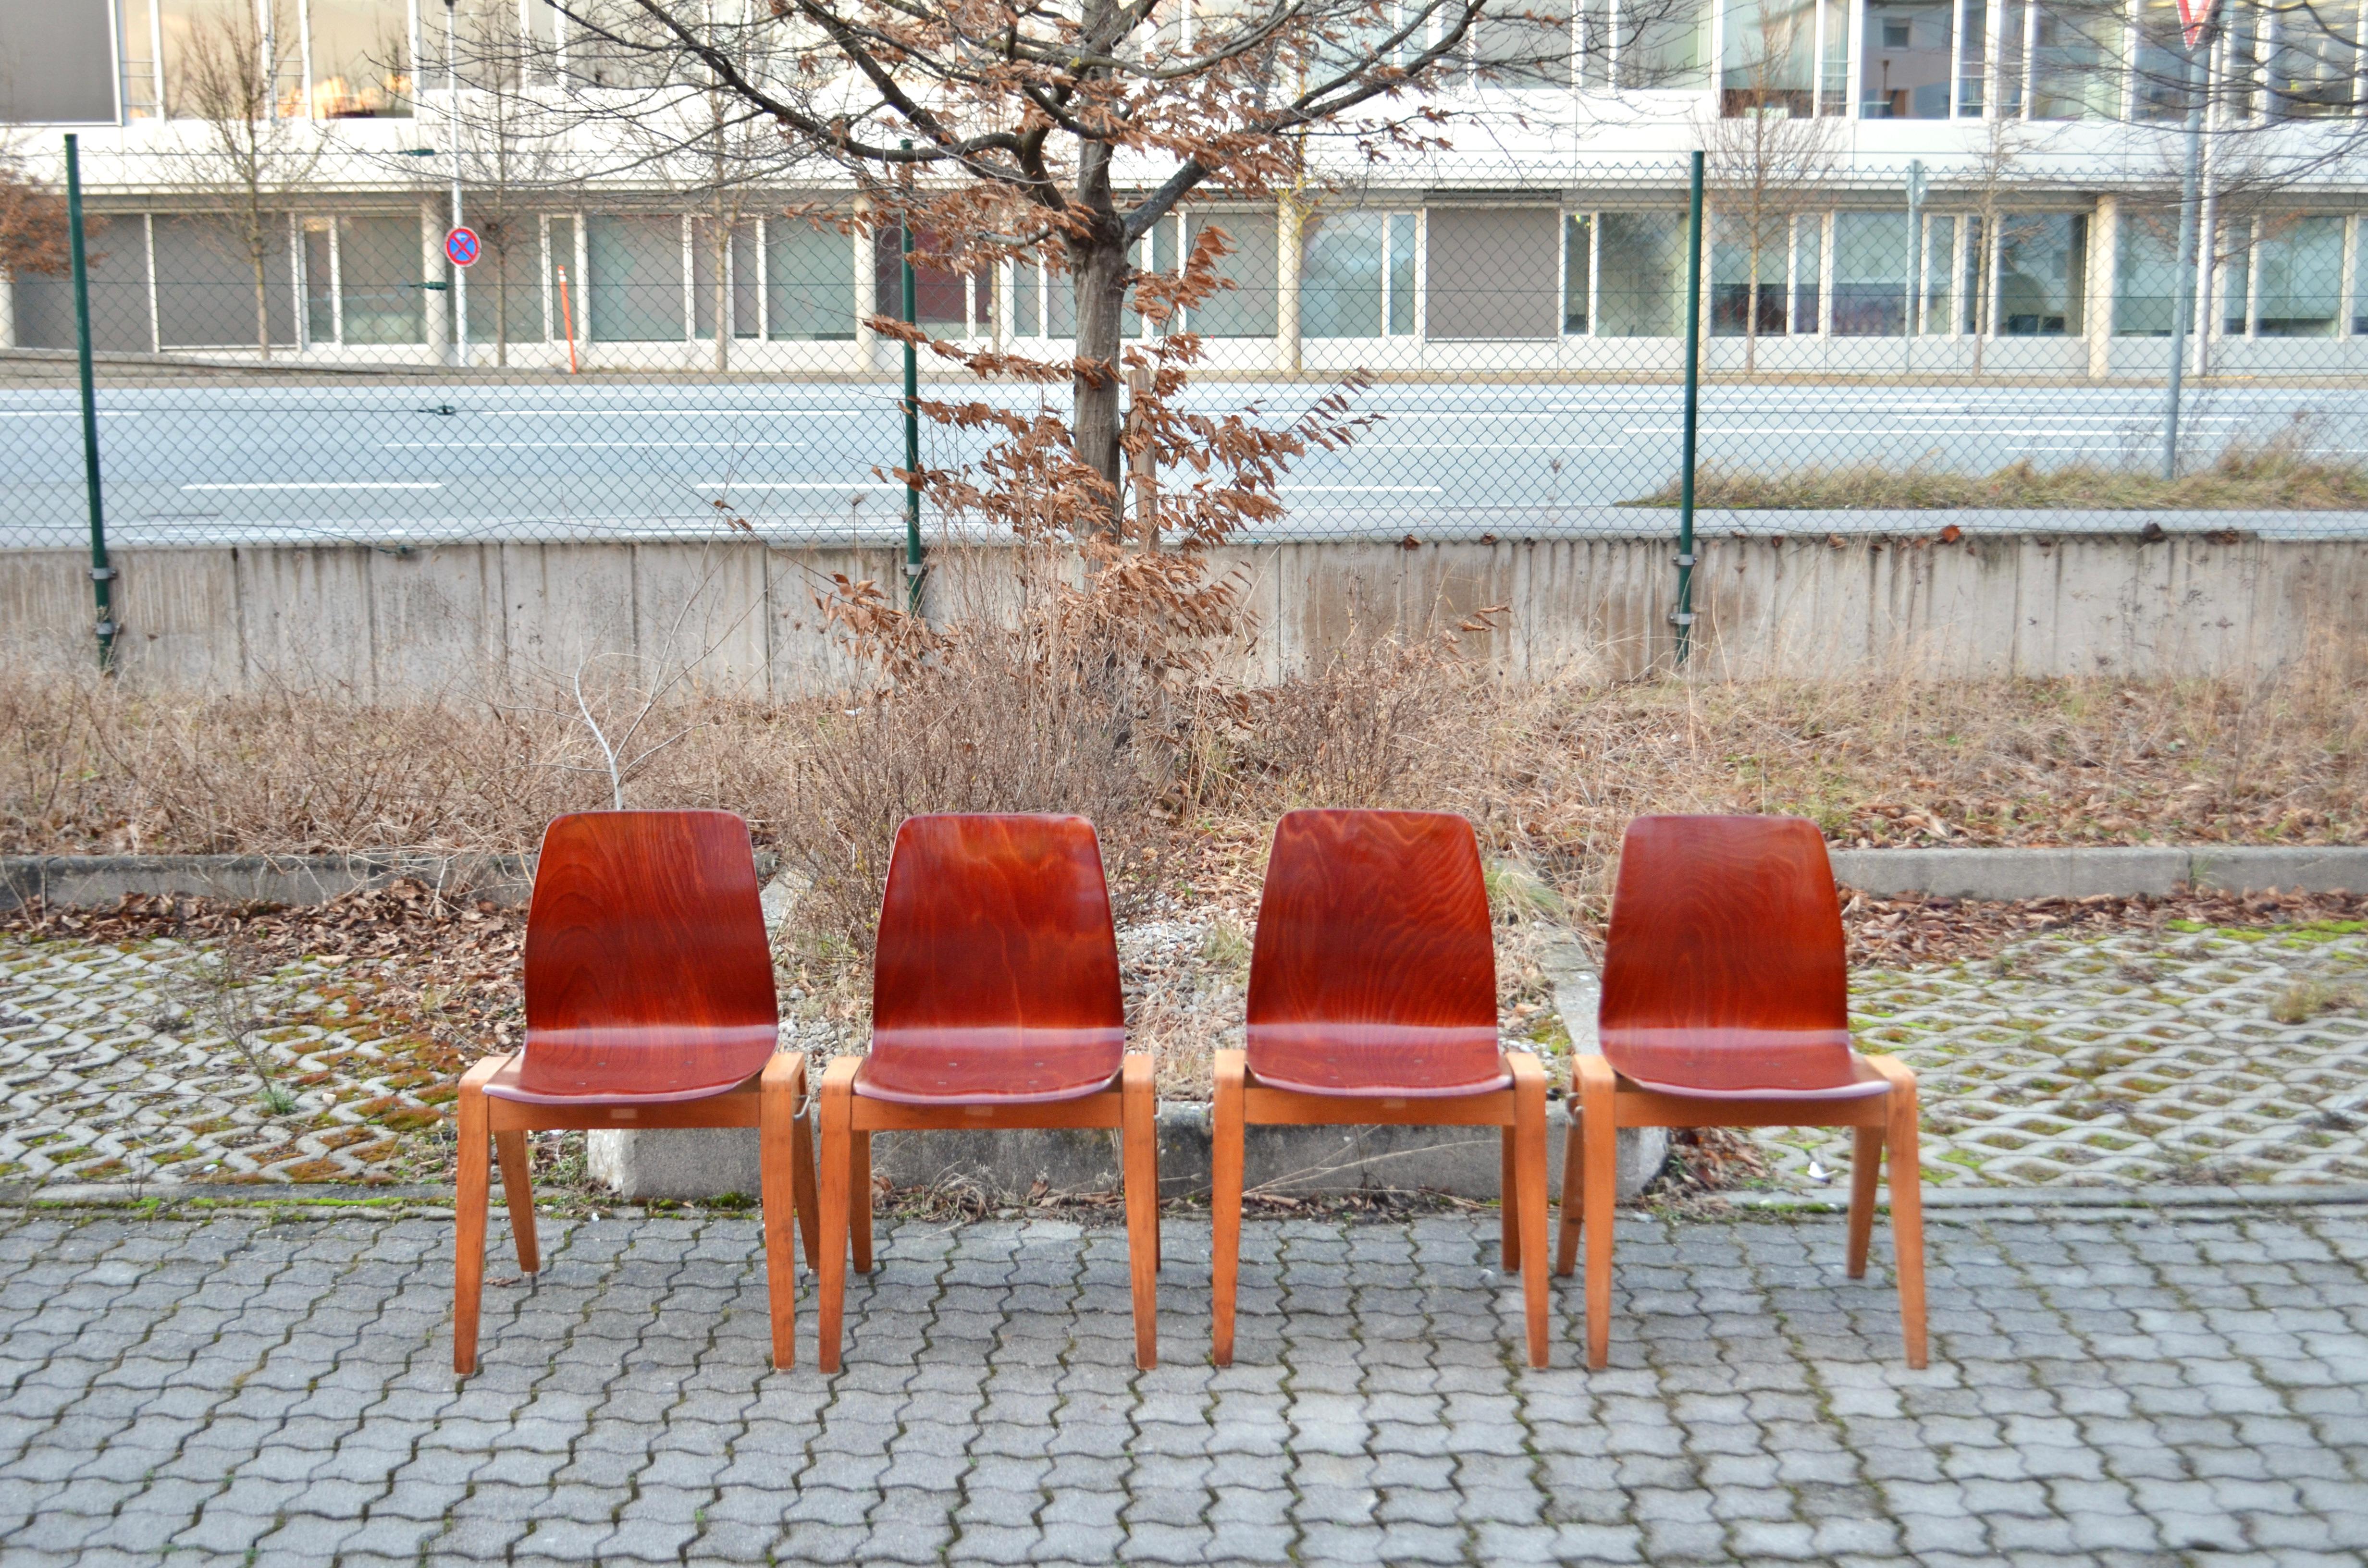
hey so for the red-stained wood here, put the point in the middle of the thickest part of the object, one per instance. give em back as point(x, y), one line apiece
point(997, 969)
point(648, 976)
point(649, 998)
point(1374, 969)
point(1725, 969)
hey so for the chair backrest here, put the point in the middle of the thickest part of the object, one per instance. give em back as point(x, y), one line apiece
point(647, 970)
point(995, 976)
point(1374, 967)
point(1725, 967)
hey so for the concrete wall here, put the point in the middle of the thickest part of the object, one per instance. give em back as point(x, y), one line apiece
point(382, 624)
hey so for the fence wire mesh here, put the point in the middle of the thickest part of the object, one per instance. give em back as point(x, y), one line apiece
point(314, 371)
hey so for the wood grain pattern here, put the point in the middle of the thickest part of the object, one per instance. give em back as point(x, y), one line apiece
point(996, 968)
point(1725, 968)
point(648, 977)
point(1374, 969)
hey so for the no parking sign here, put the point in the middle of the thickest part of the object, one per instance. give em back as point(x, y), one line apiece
point(461, 245)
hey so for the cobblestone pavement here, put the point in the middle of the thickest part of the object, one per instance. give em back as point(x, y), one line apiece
point(2063, 1061)
point(2139, 1390)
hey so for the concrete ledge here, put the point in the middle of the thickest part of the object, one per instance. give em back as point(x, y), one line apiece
point(2085, 872)
point(1460, 1161)
point(96, 880)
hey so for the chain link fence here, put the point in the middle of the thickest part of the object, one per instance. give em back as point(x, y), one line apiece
point(631, 366)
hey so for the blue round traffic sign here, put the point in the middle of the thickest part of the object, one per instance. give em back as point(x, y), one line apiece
point(461, 245)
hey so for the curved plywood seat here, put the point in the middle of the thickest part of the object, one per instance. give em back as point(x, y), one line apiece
point(1375, 970)
point(1724, 975)
point(996, 978)
point(648, 977)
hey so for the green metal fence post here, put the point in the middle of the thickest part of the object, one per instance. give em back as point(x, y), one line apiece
point(912, 427)
point(1682, 617)
point(102, 574)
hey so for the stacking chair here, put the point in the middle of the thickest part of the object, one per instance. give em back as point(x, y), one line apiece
point(1373, 1001)
point(1724, 1006)
point(994, 1003)
point(649, 1003)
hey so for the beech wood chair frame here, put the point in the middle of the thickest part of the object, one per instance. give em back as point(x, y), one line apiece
point(1241, 1102)
point(769, 1101)
point(1881, 1123)
point(1128, 1107)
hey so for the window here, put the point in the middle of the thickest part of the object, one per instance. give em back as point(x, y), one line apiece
point(2313, 56)
point(1906, 66)
point(635, 289)
point(504, 288)
point(1640, 290)
point(809, 282)
point(1577, 271)
point(1871, 256)
point(2235, 276)
point(2042, 274)
point(2057, 58)
point(1769, 59)
point(118, 263)
point(2360, 278)
point(1494, 272)
point(205, 286)
point(1402, 274)
point(1341, 279)
point(566, 281)
point(1648, 43)
point(940, 302)
point(362, 59)
point(1751, 262)
point(60, 67)
point(2158, 72)
point(2298, 268)
point(1247, 309)
point(379, 272)
point(1527, 45)
point(742, 282)
point(2145, 276)
point(1941, 275)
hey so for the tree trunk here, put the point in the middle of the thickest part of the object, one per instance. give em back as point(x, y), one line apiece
point(1098, 264)
point(262, 306)
point(501, 308)
point(721, 246)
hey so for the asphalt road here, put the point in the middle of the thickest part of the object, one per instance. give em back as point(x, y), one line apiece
point(416, 464)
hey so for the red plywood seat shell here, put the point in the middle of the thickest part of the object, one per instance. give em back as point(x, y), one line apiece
point(1374, 968)
point(995, 977)
point(648, 976)
point(1724, 975)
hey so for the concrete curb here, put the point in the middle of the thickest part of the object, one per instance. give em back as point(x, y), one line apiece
point(85, 882)
point(2144, 870)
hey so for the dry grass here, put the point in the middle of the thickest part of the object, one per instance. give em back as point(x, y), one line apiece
point(2275, 477)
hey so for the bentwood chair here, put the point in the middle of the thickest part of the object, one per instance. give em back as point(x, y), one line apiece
point(994, 1003)
point(1725, 1005)
point(649, 1004)
point(1372, 1000)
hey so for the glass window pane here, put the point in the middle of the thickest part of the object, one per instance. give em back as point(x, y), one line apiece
point(1905, 74)
point(206, 286)
point(1494, 272)
point(1973, 23)
point(319, 278)
point(567, 276)
point(936, 294)
point(1340, 277)
point(380, 266)
point(1768, 56)
point(2145, 274)
point(1247, 309)
point(1939, 274)
point(1870, 274)
point(635, 289)
point(1523, 46)
point(1664, 44)
point(809, 282)
point(2042, 274)
point(1027, 299)
point(1640, 291)
point(362, 59)
point(1809, 259)
point(2075, 46)
point(506, 284)
point(1748, 261)
point(2300, 288)
point(2359, 280)
point(1578, 238)
point(740, 279)
point(2159, 74)
point(2314, 58)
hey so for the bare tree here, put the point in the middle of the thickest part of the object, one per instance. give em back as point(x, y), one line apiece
point(1062, 136)
point(1766, 157)
point(252, 158)
point(1998, 174)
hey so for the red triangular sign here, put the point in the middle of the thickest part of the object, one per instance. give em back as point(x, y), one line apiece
point(2194, 16)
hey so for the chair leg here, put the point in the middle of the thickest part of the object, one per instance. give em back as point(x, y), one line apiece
point(1907, 1203)
point(858, 1181)
point(801, 1186)
point(1567, 1242)
point(777, 1150)
point(838, 1116)
point(510, 1149)
point(470, 1194)
point(1139, 1125)
point(1866, 1163)
point(1600, 1152)
point(1529, 1134)
point(1225, 1201)
point(1509, 1205)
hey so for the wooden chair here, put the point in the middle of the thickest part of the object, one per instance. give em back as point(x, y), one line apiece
point(649, 1004)
point(1373, 1001)
point(994, 1003)
point(1725, 1005)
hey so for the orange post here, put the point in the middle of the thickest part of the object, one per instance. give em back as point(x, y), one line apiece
point(567, 316)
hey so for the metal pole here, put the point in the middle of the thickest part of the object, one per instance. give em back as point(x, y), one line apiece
point(453, 123)
point(2183, 297)
point(912, 424)
point(102, 576)
point(1914, 262)
point(1682, 617)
